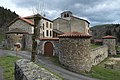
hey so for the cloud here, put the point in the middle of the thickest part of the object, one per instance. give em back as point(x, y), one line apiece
point(96, 11)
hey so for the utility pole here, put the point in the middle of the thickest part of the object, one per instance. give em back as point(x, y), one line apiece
point(35, 35)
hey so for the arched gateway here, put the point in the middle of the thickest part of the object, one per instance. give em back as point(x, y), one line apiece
point(48, 49)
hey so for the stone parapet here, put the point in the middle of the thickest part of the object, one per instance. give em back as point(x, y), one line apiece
point(26, 70)
point(99, 54)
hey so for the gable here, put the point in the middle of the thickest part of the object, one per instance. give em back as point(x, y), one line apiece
point(21, 25)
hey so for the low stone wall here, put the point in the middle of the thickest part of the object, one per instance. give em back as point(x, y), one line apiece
point(26, 70)
point(99, 54)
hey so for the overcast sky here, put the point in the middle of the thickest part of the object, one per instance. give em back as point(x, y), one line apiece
point(95, 11)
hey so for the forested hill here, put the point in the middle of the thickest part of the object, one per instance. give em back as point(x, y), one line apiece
point(6, 15)
point(108, 29)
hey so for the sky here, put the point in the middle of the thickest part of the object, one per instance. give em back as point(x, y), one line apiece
point(97, 12)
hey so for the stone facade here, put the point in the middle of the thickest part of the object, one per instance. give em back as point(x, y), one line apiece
point(70, 23)
point(74, 52)
point(41, 45)
point(13, 39)
point(26, 70)
point(110, 41)
point(22, 25)
point(28, 42)
point(45, 27)
point(99, 54)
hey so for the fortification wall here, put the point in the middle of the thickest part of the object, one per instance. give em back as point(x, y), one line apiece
point(99, 54)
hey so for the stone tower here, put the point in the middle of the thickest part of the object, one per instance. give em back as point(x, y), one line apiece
point(66, 15)
point(75, 50)
point(110, 41)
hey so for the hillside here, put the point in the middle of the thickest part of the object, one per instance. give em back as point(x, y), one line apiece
point(108, 29)
point(6, 15)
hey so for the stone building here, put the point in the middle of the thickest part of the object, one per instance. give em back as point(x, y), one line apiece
point(27, 24)
point(74, 51)
point(110, 41)
point(66, 23)
point(70, 23)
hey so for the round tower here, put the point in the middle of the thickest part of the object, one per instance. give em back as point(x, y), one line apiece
point(74, 51)
point(110, 41)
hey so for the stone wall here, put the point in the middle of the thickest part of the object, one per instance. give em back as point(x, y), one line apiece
point(74, 54)
point(55, 43)
point(26, 70)
point(12, 39)
point(22, 25)
point(28, 42)
point(111, 43)
point(99, 54)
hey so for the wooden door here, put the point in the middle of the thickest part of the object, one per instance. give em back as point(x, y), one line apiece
point(48, 49)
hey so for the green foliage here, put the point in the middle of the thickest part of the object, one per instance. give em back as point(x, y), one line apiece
point(2, 37)
point(99, 31)
point(94, 46)
point(102, 73)
point(6, 16)
point(7, 62)
point(108, 32)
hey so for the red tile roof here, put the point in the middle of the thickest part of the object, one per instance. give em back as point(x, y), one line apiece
point(52, 39)
point(26, 20)
point(32, 17)
point(23, 19)
point(108, 37)
point(75, 35)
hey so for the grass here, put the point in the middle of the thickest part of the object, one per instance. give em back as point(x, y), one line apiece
point(102, 73)
point(94, 46)
point(118, 48)
point(7, 62)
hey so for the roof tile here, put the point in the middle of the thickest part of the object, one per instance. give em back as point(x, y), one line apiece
point(108, 37)
point(75, 35)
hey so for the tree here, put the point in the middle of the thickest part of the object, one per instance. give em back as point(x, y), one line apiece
point(37, 19)
point(108, 32)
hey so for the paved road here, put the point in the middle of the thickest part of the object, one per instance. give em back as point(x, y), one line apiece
point(67, 75)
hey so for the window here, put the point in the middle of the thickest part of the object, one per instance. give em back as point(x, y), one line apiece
point(46, 32)
point(50, 25)
point(43, 34)
point(43, 26)
point(50, 33)
point(47, 24)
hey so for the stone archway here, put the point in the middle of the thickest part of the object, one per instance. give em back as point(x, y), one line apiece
point(48, 49)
